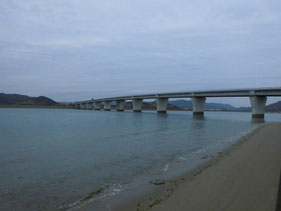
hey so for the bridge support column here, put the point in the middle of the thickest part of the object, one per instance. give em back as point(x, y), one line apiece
point(107, 105)
point(258, 106)
point(137, 104)
point(120, 104)
point(83, 106)
point(89, 106)
point(162, 104)
point(97, 105)
point(198, 105)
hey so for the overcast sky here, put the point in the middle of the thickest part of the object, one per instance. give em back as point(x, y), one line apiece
point(75, 50)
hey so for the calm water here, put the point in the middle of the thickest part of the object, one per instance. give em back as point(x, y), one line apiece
point(51, 158)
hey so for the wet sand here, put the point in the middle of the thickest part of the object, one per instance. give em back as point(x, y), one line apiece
point(244, 177)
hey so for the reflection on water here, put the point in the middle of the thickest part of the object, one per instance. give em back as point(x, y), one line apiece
point(198, 127)
point(258, 120)
point(198, 117)
point(53, 157)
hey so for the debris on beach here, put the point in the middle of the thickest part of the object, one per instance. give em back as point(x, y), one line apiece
point(158, 182)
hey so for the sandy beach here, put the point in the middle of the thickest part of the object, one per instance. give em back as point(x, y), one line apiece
point(244, 177)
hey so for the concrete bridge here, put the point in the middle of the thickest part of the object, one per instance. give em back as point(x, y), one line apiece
point(257, 96)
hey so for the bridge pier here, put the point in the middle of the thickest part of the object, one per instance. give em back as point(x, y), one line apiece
point(97, 105)
point(89, 106)
point(137, 105)
point(120, 104)
point(162, 104)
point(107, 105)
point(198, 105)
point(258, 106)
point(83, 106)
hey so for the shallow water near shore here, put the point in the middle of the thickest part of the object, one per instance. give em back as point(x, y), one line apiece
point(61, 159)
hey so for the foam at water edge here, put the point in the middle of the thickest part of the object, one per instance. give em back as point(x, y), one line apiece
point(166, 167)
point(108, 191)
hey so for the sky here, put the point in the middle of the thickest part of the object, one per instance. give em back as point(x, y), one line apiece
point(76, 50)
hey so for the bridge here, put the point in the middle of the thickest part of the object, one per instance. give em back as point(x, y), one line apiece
point(257, 96)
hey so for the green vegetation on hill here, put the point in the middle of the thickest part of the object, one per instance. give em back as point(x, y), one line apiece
point(16, 99)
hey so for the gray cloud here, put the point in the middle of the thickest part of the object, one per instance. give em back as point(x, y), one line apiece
point(72, 50)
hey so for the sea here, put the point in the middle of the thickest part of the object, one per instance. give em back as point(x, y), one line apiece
point(60, 159)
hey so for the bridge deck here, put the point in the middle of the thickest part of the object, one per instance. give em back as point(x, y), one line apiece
point(207, 93)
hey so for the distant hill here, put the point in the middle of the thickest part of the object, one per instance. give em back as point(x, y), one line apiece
point(16, 99)
point(274, 107)
point(184, 104)
point(150, 106)
point(187, 104)
point(44, 101)
point(243, 109)
point(12, 99)
point(65, 102)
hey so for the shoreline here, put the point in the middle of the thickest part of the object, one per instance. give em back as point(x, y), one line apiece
point(171, 194)
point(212, 185)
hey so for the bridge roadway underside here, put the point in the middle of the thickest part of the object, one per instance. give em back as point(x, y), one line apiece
point(257, 97)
